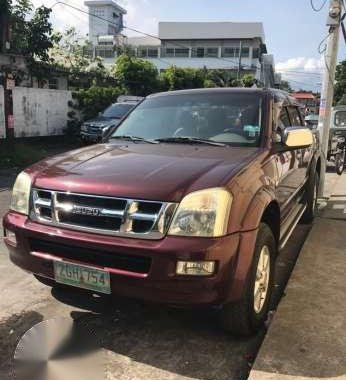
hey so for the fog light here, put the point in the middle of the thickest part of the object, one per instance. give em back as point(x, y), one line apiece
point(195, 268)
point(10, 237)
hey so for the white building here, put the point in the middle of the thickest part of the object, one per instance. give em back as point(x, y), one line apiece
point(235, 46)
point(212, 45)
point(105, 19)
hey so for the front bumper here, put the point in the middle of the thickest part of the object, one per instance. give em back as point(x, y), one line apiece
point(161, 284)
point(91, 136)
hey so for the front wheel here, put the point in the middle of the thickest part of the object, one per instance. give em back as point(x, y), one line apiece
point(249, 314)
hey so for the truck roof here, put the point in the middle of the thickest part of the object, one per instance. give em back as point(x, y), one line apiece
point(277, 94)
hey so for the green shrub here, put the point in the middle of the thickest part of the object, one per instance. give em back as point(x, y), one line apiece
point(95, 99)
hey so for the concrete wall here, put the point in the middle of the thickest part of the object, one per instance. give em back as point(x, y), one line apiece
point(2, 114)
point(39, 112)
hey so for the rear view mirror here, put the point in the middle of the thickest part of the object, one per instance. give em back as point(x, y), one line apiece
point(297, 137)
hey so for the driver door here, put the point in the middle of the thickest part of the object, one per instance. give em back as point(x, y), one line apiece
point(287, 163)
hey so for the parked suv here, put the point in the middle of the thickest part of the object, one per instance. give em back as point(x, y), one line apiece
point(187, 203)
point(94, 129)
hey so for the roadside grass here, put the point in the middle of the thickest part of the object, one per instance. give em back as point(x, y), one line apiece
point(24, 152)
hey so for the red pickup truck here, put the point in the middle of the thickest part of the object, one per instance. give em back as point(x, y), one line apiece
point(187, 202)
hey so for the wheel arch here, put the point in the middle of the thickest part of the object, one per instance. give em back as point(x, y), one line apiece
point(271, 217)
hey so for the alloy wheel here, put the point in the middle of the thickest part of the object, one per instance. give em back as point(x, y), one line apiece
point(262, 279)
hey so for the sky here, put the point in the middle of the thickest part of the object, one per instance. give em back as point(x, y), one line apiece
point(293, 30)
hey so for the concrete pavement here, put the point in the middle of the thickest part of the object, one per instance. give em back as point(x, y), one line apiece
point(307, 337)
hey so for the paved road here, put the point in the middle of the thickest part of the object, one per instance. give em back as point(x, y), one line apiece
point(142, 341)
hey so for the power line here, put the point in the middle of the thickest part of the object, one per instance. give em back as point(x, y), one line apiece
point(317, 9)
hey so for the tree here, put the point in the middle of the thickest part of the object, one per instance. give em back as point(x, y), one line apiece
point(34, 37)
point(248, 80)
point(137, 76)
point(285, 86)
point(218, 78)
point(177, 78)
point(340, 78)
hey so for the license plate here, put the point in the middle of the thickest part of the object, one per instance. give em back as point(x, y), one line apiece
point(82, 277)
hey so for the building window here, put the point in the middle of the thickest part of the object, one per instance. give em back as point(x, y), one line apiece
point(212, 52)
point(53, 83)
point(153, 53)
point(230, 52)
point(99, 12)
point(176, 52)
point(255, 53)
point(245, 52)
point(105, 53)
point(181, 52)
point(169, 52)
point(142, 52)
point(198, 52)
point(147, 52)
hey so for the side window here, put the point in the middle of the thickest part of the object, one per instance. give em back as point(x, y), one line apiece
point(284, 120)
point(295, 116)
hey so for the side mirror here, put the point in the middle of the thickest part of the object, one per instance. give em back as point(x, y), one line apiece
point(297, 137)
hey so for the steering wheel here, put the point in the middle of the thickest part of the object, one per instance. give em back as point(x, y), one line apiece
point(177, 133)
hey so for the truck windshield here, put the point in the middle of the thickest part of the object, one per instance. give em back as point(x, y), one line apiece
point(117, 111)
point(228, 118)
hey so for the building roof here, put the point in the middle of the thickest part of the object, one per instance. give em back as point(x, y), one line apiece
point(143, 41)
point(210, 30)
point(303, 95)
point(100, 3)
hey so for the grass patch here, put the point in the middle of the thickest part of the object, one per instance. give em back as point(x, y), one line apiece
point(24, 152)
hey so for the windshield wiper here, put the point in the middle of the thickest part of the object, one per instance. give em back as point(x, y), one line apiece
point(188, 140)
point(133, 138)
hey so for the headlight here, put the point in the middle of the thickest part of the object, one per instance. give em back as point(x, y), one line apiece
point(21, 194)
point(203, 213)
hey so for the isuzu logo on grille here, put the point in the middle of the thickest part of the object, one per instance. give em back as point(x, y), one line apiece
point(82, 210)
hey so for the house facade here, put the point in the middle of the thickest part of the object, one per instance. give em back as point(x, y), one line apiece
point(308, 101)
point(105, 19)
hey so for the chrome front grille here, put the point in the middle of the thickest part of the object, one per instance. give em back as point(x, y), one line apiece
point(103, 215)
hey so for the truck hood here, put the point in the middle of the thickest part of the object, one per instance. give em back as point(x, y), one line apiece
point(163, 172)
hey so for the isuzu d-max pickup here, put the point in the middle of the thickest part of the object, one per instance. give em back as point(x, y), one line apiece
point(187, 202)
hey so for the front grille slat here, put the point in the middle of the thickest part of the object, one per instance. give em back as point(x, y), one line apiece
point(102, 214)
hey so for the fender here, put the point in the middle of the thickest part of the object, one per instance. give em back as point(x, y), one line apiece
point(248, 236)
point(315, 161)
point(256, 208)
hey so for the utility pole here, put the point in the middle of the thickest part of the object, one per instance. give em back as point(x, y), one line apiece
point(8, 82)
point(239, 60)
point(327, 93)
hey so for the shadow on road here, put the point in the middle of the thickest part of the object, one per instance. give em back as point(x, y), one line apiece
point(11, 331)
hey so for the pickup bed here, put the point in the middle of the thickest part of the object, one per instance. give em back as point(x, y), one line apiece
point(187, 202)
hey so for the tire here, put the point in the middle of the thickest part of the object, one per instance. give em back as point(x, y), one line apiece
point(311, 198)
point(245, 318)
point(340, 163)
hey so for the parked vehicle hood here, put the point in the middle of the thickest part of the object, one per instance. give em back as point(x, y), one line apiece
point(163, 172)
point(101, 121)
